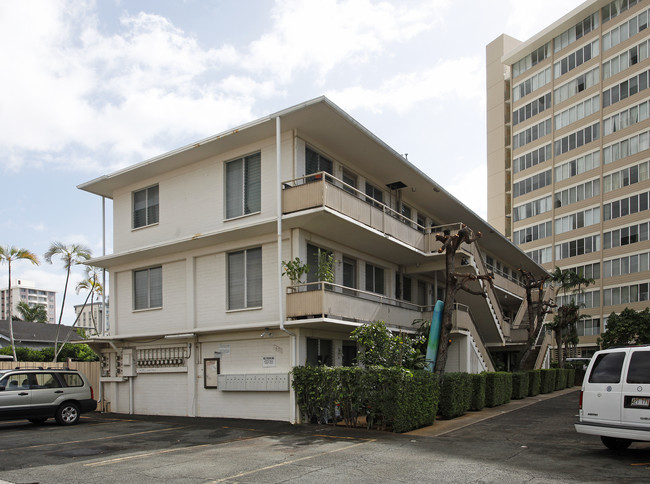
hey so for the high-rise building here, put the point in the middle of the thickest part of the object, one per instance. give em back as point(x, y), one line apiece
point(27, 292)
point(568, 151)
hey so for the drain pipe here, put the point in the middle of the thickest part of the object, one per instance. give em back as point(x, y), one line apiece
point(281, 294)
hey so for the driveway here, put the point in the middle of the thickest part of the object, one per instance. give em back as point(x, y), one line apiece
point(527, 441)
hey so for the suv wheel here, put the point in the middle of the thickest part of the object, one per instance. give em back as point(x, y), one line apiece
point(38, 421)
point(612, 443)
point(67, 414)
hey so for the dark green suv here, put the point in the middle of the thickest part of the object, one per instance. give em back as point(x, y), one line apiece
point(39, 394)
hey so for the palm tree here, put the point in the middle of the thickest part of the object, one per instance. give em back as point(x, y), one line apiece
point(34, 314)
point(94, 287)
point(9, 254)
point(71, 255)
point(568, 314)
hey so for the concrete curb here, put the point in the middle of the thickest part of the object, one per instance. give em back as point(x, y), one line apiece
point(442, 427)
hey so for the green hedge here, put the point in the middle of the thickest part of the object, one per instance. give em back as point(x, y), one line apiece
point(548, 379)
point(534, 382)
point(562, 378)
point(388, 397)
point(477, 401)
point(455, 394)
point(519, 385)
point(498, 388)
point(571, 377)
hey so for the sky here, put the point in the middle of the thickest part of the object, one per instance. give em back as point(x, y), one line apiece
point(89, 87)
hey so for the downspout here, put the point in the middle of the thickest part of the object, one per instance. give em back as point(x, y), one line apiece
point(281, 295)
point(102, 324)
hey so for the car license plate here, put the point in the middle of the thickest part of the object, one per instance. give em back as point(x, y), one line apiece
point(643, 402)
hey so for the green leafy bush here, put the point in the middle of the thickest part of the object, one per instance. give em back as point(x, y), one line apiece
point(519, 385)
point(534, 382)
point(455, 394)
point(561, 382)
point(394, 398)
point(478, 391)
point(498, 388)
point(548, 379)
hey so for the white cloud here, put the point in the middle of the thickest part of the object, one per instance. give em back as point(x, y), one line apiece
point(450, 79)
point(309, 35)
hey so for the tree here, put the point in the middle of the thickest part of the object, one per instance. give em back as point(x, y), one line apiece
point(568, 314)
point(71, 255)
point(94, 287)
point(536, 311)
point(454, 282)
point(379, 346)
point(630, 327)
point(33, 314)
point(9, 254)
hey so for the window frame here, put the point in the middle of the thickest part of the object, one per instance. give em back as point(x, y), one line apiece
point(147, 207)
point(247, 305)
point(242, 204)
point(149, 289)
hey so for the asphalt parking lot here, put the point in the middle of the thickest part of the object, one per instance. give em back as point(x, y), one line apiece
point(531, 441)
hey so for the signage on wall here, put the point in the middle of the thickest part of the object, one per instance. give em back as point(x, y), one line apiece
point(224, 349)
point(268, 361)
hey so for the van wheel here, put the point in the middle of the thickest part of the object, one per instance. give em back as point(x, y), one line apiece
point(612, 443)
point(67, 414)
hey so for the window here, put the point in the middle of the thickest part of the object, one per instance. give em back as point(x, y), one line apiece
point(639, 371)
point(349, 272)
point(607, 368)
point(147, 288)
point(145, 207)
point(245, 279)
point(243, 186)
point(374, 279)
point(350, 180)
point(315, 162)
point(375, 194)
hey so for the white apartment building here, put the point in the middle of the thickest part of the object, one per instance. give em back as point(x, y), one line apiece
point(568, 128)
point(90, 317)
point(27, 292)
point(203, 323)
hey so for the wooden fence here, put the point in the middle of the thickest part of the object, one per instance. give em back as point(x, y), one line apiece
point(88, 368)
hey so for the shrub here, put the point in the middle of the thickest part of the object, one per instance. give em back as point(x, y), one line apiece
point(519, 385)
point(498, 388)
point(388, 397)
point(455, 394)
point(561, 382)
point(477, 401)
point(534, 382)
point(548, 379)
point(571, 377)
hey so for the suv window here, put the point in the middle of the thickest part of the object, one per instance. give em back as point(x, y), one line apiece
point(47, 380)
point(607, 368)
point(72, 379)
point(639, 371)
point(17, 381)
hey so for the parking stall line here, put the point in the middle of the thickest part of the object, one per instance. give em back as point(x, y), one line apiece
point(92, 440)
point(289, 462)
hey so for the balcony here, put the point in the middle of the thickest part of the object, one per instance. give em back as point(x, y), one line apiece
point(354, 218)
point(320, 300)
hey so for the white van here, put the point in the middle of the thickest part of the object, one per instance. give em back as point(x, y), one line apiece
point(615, 397)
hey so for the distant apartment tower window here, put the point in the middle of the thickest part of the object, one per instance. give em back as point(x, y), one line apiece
point(243, 186)
point(147, 288)
point(145, 207)
point(245, 279)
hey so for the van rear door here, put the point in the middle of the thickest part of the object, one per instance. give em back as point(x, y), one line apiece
point(636, 389)
point(602, 400)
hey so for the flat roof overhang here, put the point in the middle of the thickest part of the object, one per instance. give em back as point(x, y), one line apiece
point(321, 120)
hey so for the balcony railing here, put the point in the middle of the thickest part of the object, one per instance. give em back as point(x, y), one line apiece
point(323, 190)
point(333, 301)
